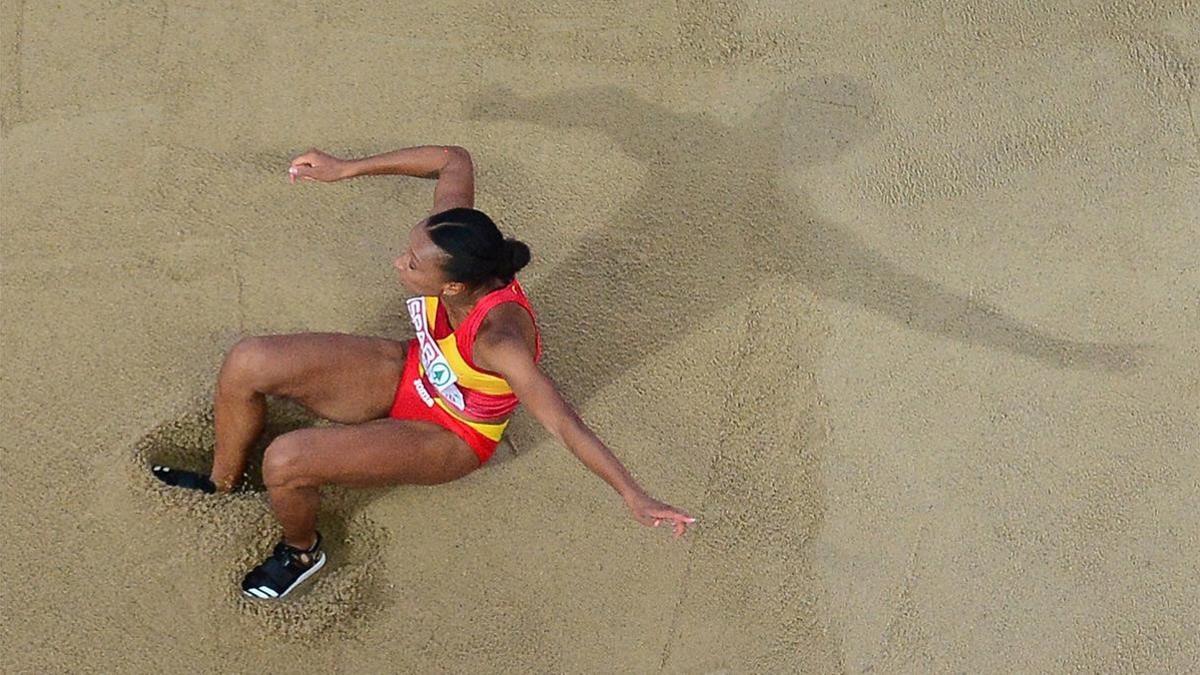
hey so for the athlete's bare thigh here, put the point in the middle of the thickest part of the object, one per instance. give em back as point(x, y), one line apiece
point(376, 453)
point(341, 377)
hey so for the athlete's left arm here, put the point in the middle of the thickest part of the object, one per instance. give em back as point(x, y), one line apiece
point(508, 353)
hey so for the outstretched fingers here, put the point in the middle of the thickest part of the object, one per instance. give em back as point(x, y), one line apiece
point(679, 519)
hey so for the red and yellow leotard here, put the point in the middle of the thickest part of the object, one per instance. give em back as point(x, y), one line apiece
point(441, 383)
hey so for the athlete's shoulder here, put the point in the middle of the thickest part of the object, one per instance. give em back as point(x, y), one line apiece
point(507, 318)
point(507, 322)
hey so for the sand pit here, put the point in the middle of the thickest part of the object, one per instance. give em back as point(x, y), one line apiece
point(901, 301)
point(238, 528)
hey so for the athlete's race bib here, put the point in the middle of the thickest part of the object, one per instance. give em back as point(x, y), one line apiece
point(437, 368)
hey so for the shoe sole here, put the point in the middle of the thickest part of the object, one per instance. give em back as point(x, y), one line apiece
point(295, 584)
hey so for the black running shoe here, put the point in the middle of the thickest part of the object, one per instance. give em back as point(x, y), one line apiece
point(287, 568)
point(184, 479)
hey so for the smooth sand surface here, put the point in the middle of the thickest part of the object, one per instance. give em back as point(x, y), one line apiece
point(900, 299)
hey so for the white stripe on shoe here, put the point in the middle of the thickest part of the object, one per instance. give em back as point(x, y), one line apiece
point(320, 562)
point(268, 593)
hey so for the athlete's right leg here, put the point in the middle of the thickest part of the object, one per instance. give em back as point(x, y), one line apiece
point(343, 378)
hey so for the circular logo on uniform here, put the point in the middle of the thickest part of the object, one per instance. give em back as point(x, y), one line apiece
point(439, 374)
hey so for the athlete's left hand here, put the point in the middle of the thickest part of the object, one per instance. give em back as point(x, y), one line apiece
point(651, 513)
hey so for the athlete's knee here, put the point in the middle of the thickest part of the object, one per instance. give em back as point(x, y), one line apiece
point(245, 364)
point(286, 464)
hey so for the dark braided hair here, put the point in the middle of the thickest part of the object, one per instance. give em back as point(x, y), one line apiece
point(476, 249)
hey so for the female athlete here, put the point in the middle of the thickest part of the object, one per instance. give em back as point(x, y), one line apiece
point(423, 412)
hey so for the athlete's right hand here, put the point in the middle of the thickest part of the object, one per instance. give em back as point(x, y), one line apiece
point(317, 165)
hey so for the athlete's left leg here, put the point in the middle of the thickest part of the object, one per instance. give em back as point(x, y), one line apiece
point(376, 453)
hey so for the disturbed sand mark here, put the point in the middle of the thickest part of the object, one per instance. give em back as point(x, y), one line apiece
point(11, 105)
point(1160, 40)
point(1143, 11)
point(1148, 631)
point(906, 641)
point(241, 530)
point(1166, 71)
point(979, 149)
point(714, 32)
point(916, 173)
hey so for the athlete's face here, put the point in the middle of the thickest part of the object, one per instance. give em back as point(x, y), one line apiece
point(420, 265)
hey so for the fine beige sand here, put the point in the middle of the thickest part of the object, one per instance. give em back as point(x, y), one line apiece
point(901, 300)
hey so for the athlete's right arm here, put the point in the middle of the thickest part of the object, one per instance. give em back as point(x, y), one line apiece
point(450, 164)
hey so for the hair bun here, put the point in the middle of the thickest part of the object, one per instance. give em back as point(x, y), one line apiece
point(517, 256)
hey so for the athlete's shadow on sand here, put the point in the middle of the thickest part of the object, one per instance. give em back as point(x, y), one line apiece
point(616, 300)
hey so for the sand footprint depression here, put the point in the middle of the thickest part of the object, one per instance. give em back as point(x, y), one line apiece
point(239, 529)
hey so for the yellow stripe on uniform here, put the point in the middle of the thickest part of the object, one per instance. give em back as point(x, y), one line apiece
point(467, 376)
point(492, 431)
